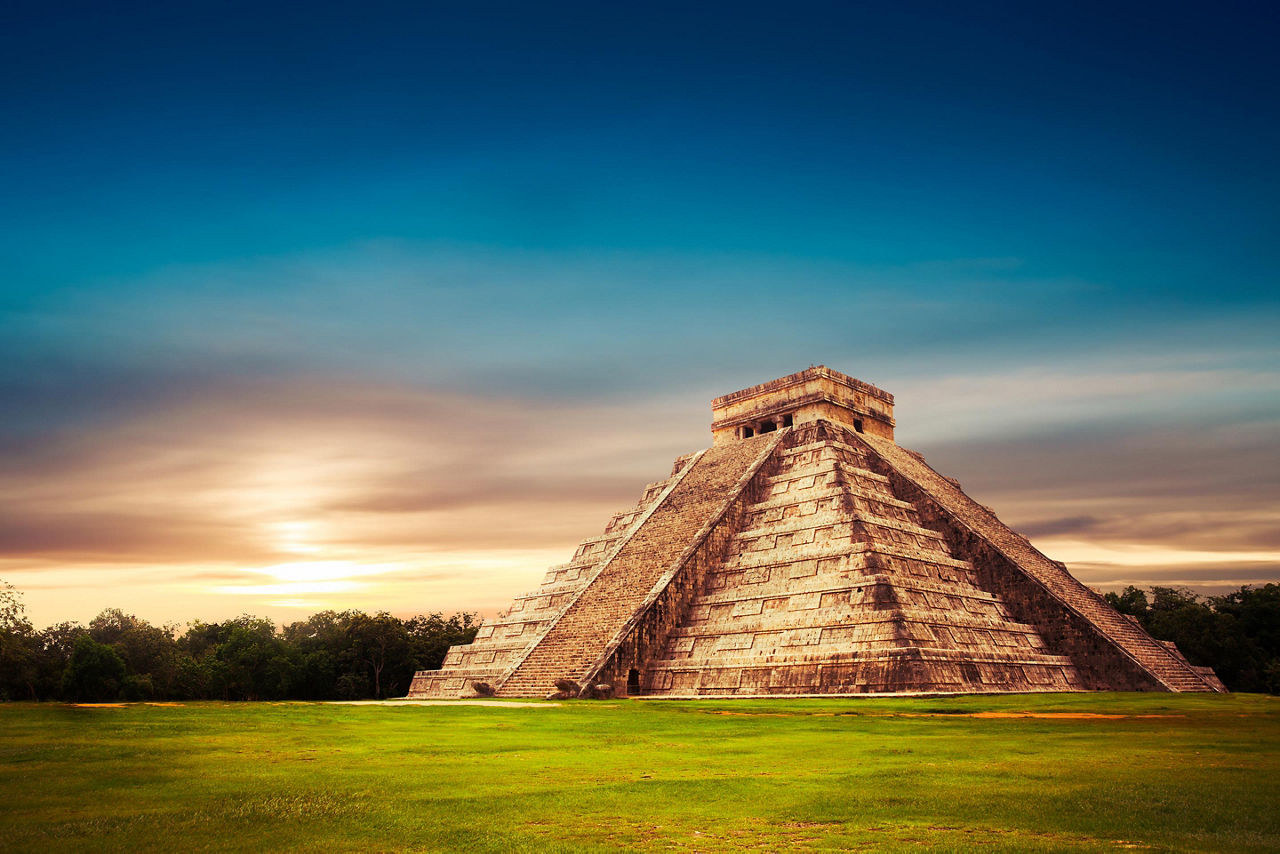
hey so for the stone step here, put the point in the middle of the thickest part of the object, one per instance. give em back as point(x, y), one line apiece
point(578, 637)
point(1137, 644)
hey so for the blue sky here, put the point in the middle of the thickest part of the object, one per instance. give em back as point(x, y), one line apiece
point(282, 251)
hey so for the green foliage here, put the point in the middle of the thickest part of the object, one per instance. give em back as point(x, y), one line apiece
point(1131, 601)
point(1098, 772)
point(255, 660)
point(352, 655)
point(95, 674)
point(148, 651)
point(1238, 634)
point(1251, 616)
point(377, 641)
point(19, 662)
point(346, 655)
point(13, 614)
point(432, 635)
point(55, 646)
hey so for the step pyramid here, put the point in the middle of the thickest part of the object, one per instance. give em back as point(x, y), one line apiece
point(806, 553)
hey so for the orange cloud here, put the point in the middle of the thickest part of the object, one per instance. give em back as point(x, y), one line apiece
point(280, 494)
point(326, 493)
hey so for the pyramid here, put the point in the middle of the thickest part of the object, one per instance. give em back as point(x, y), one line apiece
point(806, 553)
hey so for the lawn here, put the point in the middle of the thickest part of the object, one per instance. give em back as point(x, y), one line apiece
point(1158, 772)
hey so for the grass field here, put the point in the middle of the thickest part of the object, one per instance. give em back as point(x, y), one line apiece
point(1195, 773)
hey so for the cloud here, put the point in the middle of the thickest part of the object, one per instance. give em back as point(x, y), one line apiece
point(1065, 525)
point(421, 405)
point(1210, 579)
point(132, 538)
point(1192, 391)
point(365, 478)
point(591, 324)
point(210, 479)
point(1186, 486)
point(1146, 555)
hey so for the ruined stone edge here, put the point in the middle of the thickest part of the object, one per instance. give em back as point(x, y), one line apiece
point(636, 525)
point(661, 584)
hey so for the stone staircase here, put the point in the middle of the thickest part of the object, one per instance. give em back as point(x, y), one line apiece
point(806, 553)
point(1166, 667)
point(506, 637)
point(603, 607)
point(831, 585)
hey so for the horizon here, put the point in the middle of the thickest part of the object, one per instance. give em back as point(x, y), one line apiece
point(390, 312)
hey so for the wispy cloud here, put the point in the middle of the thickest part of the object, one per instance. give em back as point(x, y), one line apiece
point(306, 490)
point(466, 419)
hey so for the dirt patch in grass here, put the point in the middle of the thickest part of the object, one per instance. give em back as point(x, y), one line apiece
point(122, 705)
point(498, 704)
point(1073, 716)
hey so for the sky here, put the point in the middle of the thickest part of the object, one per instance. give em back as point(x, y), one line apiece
point(387, 306)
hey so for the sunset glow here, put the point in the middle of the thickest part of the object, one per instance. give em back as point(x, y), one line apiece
point(394, 326)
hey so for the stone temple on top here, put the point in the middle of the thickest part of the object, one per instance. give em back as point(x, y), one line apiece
point(806, 553)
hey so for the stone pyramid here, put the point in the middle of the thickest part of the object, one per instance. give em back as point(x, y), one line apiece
point(806, 553)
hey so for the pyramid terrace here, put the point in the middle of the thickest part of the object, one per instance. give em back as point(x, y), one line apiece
point(805, 553)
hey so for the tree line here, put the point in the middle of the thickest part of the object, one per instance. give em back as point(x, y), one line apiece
point(332, 655)
point(351, 655)
point(1238, 634)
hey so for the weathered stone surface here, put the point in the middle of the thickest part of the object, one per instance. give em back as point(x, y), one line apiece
point(815, 557)
point(816, 394)
point(505, 638)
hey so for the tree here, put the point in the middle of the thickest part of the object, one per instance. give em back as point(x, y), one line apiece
point(96, 673)
point(379, 641)
point(255, 658)
point(57, 644)
point(323, 645)
point(19, 645)
point(1238, 634)
point(12, 611)
point(1177, 614)
point(1252, 616)
point(433, 634)
point(1130, 601)
point(150, 652)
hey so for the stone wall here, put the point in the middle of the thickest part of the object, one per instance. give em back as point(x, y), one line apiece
point(1101, 665)
point(507, 637)
point(816, 558)
point(830, 586)
point(645, 636)
point(1114, 652)
point(811, 395)
point(635, 575)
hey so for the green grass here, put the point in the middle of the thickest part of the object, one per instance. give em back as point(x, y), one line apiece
point(863, 774)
